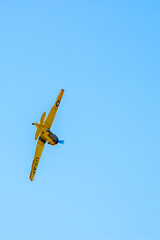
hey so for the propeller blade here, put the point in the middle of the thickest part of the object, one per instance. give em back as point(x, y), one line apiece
point(61, 141)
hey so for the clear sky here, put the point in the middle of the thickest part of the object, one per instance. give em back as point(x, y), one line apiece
point(104, 182)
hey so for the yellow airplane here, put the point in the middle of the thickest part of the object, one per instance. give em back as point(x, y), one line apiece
point(44, 134)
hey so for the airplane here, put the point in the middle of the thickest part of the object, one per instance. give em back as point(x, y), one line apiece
point(44, 134)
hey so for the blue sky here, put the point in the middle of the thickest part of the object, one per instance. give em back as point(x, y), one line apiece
point(103, 183)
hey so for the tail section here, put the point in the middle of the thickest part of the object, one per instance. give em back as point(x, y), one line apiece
point(42, 118)
point(39, 125)
point(37, 133)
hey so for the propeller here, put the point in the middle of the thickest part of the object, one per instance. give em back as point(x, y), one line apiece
point(61, 141)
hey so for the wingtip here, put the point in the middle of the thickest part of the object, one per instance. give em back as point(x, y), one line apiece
point(31, 177)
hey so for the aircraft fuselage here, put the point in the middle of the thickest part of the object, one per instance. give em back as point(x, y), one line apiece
point(46, 135)
point(49, 136)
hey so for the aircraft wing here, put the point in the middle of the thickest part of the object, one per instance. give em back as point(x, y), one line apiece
point(52, 113)
point(37, 156)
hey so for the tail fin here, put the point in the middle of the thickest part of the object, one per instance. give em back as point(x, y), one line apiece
point(42, 118)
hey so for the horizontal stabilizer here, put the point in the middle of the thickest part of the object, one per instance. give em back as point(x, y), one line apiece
point(37, 133)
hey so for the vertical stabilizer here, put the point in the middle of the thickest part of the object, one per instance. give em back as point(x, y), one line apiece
point(42, 118)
